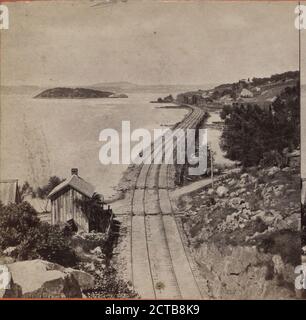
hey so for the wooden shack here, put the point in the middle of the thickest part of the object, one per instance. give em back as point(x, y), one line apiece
point(64, 198)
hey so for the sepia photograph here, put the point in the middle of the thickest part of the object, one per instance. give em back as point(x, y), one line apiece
point(152, 150)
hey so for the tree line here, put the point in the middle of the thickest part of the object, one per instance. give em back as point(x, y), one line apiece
point(253, 134)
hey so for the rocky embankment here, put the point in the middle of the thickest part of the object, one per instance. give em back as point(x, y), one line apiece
point(244, 234)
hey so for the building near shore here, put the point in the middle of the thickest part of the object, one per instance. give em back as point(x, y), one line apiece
point(65, 203)
point(193, 97)
point(226, 100)
point(245, 93)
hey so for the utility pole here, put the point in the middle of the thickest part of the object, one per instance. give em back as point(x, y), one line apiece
point(211, 167)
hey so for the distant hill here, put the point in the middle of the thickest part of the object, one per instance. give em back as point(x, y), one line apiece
point(73, 93)
point(154, 88)
point(117, 88)
point(260, 91)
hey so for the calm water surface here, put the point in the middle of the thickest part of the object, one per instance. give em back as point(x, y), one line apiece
point(44, 137)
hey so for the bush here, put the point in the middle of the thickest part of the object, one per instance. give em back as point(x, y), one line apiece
point(20, 227)
point(99, 219)
point(272, 158)
point(89, 241)
point(16, 221)
point(109, 285)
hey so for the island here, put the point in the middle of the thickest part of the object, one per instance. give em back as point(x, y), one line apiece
point(76, 93)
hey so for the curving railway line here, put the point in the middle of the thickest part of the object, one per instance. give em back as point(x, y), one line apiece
point(160, 266)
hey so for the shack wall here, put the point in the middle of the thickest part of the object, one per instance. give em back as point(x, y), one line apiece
point(64, 208)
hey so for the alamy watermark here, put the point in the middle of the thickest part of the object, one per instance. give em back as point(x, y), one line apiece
point(167, 146)
point(300, 280)
point(300, 20)
point(4, 17)
point(5, 277)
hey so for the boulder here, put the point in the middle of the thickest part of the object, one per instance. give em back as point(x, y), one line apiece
point(97, 251)
point(43, 279)
point(293, 222)
point(4, 260)
point(239, 273)
point(85, 280)
point(222, 191)
point(245, 176)
point(231, 182)
point(12, 291)
point(241, 191)
point(9, 252)
point(89, 266)
point(272, 171)
point(236, 202)
point(210, 192)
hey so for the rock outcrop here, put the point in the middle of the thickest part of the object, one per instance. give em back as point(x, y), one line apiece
point(244, 233)
point(244, 273)
point(43, 279)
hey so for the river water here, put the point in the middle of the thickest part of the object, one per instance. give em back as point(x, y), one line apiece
point(45, 137)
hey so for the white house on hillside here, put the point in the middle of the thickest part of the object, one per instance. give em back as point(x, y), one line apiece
point(245, 93)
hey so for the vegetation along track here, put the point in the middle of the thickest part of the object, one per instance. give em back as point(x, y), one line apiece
point(160, 265)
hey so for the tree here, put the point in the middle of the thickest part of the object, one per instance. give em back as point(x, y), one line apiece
point(93, 209)
point(251, 132)
point(42, 192)
point(25, 190)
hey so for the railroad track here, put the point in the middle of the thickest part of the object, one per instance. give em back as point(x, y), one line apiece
point(160, 266)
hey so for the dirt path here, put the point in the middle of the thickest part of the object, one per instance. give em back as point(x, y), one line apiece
point(190, 188)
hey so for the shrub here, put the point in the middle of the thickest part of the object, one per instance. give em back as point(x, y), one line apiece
point(99, 219)
point(272, 158)
point(20, 227)
point(89, 241)
point(108, 284)
point(48, 243)
point(16, 220)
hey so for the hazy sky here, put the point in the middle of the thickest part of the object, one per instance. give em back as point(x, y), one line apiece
point(150, 42)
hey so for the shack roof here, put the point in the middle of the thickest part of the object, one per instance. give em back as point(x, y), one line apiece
point(76, 183)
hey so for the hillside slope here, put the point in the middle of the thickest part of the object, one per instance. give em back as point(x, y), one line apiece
point(244, 233)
